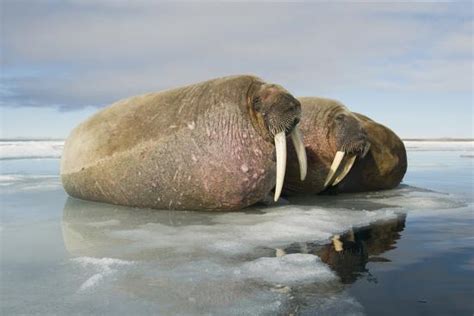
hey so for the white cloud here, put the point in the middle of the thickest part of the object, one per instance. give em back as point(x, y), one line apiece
point(106, 50)
point(458, 44)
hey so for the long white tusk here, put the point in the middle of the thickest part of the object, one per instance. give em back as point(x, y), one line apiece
point(345, 170)
point(335, 164)
point(297, 139)
point(337, 243)
point(279, 252)
point(280, 147)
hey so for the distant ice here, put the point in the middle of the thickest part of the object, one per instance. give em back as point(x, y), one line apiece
point(439, 145)
point(53, 148)
point(26, 182)
point(7, 179)
point(30, 149)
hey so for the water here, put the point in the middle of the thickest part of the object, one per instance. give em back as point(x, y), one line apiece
point(404, 251)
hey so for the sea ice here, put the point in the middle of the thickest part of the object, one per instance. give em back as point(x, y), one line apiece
point(30, 149)
point(103, 266)
point(428, 145)
point(289, 269)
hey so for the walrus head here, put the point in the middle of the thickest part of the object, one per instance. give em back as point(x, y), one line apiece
point(275, 113)
point(350, 141)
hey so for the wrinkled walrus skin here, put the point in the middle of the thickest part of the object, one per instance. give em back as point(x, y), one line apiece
point(383, 167)
point(199, 147)
point(329, 131)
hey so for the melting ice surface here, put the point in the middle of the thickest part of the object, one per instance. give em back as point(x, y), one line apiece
point(317, 255)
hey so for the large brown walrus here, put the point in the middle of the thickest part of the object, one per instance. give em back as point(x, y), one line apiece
point(206, 146)
point(384, 165)
point(333, 137)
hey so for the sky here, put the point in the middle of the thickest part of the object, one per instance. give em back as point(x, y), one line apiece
point(406, 65)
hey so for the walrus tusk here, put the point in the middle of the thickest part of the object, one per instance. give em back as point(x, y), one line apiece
point(297, 139)
point(280, 146)
point(345, 170)
point(337, 243)
point(279, 252)
point(335, 164)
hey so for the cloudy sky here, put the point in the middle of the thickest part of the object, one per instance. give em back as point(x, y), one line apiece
point(407, 65)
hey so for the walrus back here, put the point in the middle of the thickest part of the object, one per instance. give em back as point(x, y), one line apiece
point(154, 116)
point(150, 150)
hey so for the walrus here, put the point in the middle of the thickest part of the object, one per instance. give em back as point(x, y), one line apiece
point(383, 167)
point(333, 138)
point(206, 146)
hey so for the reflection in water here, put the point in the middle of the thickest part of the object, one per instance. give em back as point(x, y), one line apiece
point(100, 229)
point(141, 262)
point(226, 263)
point(90, 229)
point(349, 253)
point(167, 259)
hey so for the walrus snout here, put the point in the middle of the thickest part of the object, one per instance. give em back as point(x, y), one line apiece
point(352, 142)
point(293, 125)
point(344, 161)
point(276, 114)
point(283, 114)
point(358, 145)
point(286, 116)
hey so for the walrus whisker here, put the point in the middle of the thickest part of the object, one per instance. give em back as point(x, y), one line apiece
point(346, 169)
point(280, 148)
point(297, 139)
point(335, 165)
point(359, 148)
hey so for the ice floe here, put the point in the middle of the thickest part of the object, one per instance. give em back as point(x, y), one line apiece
point(289, 269)
point(10, 183)
point(429, 145)
point(104, 267)
point(31, 149)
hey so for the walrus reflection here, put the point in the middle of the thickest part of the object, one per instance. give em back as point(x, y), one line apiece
point(349, 253)
point(102, 230)
point(94, 229)
point(173, 276)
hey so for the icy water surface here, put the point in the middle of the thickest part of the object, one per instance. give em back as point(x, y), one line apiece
point(404, 251)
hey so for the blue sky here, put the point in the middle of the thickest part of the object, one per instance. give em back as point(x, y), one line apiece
point(407, 65)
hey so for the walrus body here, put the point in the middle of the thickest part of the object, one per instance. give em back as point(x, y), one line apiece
point(384, 165)
point(202, 146)
point(333, 138)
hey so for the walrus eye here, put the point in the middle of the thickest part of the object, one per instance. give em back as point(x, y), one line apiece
point(257, 104)
point(340, 117)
